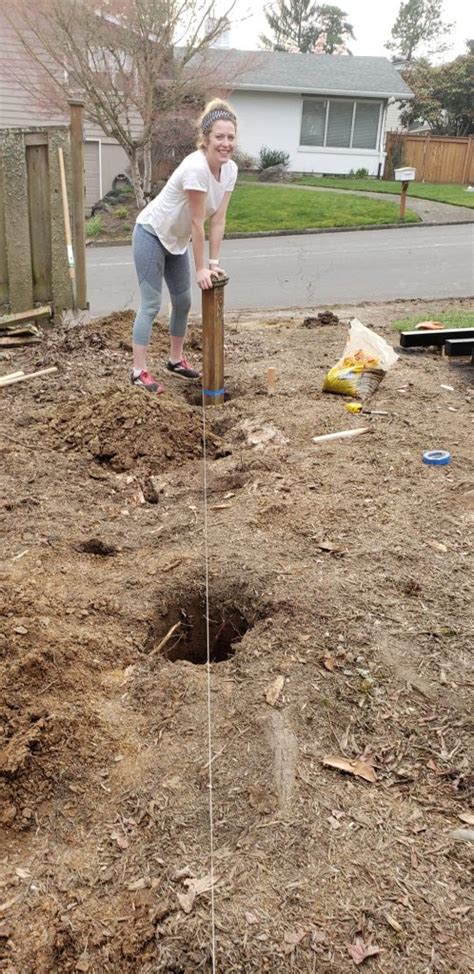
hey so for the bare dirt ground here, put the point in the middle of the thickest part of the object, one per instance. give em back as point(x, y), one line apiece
point(340, 605)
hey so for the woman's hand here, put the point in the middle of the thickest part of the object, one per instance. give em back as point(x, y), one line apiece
point(204, 278)
point(218, 271)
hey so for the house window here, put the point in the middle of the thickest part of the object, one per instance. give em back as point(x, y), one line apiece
point(340, 123)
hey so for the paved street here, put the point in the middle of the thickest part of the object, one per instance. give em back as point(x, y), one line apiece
point(312, 270)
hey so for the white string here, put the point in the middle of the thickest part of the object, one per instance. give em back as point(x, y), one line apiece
point(209, 715)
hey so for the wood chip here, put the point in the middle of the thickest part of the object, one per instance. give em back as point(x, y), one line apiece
point(352, 766)
point(274, 690)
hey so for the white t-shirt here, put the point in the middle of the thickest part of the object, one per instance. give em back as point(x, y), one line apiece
point(169, 214)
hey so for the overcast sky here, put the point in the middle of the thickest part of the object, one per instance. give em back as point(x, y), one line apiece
point(372, 23)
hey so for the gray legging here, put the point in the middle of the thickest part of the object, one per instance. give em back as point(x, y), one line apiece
point(153, 263)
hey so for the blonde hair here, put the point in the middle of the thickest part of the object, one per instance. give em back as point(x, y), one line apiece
point(216, 105)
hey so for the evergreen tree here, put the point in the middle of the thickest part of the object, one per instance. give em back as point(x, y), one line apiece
point(293, 24)
point(419, 25)
point(303, 25)
point(335, 29)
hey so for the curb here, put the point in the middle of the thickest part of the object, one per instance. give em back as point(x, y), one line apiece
point(127, 241)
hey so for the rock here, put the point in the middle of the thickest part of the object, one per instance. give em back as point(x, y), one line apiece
point(274, 174)
point(463, 835)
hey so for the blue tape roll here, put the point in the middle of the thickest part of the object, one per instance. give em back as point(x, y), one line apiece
point(437, 458)
point(213, 392)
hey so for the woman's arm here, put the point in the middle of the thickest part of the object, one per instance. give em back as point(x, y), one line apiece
point(197, 202)
point(216, 229)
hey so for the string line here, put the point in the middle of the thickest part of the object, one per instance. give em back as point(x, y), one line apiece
point(209, 710)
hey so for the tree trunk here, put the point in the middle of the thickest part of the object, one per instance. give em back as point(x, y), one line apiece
point(136, 178)
point(147, 171)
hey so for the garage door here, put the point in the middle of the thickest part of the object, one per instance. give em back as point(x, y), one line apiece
point(92, 172)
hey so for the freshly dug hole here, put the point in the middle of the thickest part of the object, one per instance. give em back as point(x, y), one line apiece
point(227, 626)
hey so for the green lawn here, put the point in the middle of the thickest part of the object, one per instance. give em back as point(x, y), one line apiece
point(452, 319)
point(261, 208)
point(440, 192)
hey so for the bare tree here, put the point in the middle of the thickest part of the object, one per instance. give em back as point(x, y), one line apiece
point(133, 62)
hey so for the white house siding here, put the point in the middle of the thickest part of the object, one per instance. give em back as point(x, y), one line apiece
point(20, 108)
point(393, 123)
point(274, 120)
point(114, 160)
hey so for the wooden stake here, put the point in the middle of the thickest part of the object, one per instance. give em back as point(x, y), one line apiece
point(271, 381)
point(67, 228)
point(11, 375)
point(78, 199)
point(343, 435)
point(31, 375)
point(213, 342)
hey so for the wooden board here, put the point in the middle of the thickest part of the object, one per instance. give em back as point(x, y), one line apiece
point(423, 339)
point(3, 243)
point(40, 220)
point(45, 311)
point(459, 346)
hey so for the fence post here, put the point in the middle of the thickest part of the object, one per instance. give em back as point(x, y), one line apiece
point(467, 161)
point(213, 342)
point(78, 201)
point(17, 226)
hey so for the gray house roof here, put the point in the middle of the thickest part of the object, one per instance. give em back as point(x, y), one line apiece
point(322, 74)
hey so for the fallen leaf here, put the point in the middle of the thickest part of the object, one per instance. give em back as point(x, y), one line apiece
point(293, 938)
point(334, 822)
point(220, 507)
point(466, 817)
point(318, 937)
point(195, 888)
point(251, 918)
point(353, 766)
point(274, 690)
point(360, 951)
point(20, 630)
point(119, 838)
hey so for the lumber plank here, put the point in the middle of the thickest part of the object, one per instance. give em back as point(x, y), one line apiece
point(459, 346)
point(45, 311)
point(423, 339)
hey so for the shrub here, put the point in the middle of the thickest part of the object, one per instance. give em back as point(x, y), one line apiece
point(93, 226)
point(362, 174)
point(121, 212)
point(244, 161)
point(273, 157)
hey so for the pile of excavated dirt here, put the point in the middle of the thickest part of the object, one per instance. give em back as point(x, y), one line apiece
point(338, 619)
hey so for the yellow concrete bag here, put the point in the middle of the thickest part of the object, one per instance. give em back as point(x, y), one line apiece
point(365, 360)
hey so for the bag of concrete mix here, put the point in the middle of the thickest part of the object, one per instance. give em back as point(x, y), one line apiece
point(364, 362)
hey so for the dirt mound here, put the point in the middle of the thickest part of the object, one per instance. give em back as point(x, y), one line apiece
point(119, 427)
point(331, 585)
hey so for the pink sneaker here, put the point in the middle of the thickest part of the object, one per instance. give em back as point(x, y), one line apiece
point(183, 369)
point(146, 381)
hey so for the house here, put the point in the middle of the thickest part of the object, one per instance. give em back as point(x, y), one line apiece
point(327, 111)
point(20, 108)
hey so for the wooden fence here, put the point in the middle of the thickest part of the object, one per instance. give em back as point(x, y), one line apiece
point(436, 158)
point(34, 267)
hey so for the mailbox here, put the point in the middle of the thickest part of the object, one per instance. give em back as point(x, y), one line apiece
point(405, 174)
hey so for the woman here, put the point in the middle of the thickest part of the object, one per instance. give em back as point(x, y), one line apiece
point(199, 189)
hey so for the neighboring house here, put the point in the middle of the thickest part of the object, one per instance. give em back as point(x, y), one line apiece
point(327, 111)
point(19, 108)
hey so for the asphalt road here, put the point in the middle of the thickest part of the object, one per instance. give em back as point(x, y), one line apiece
point(314, 269)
